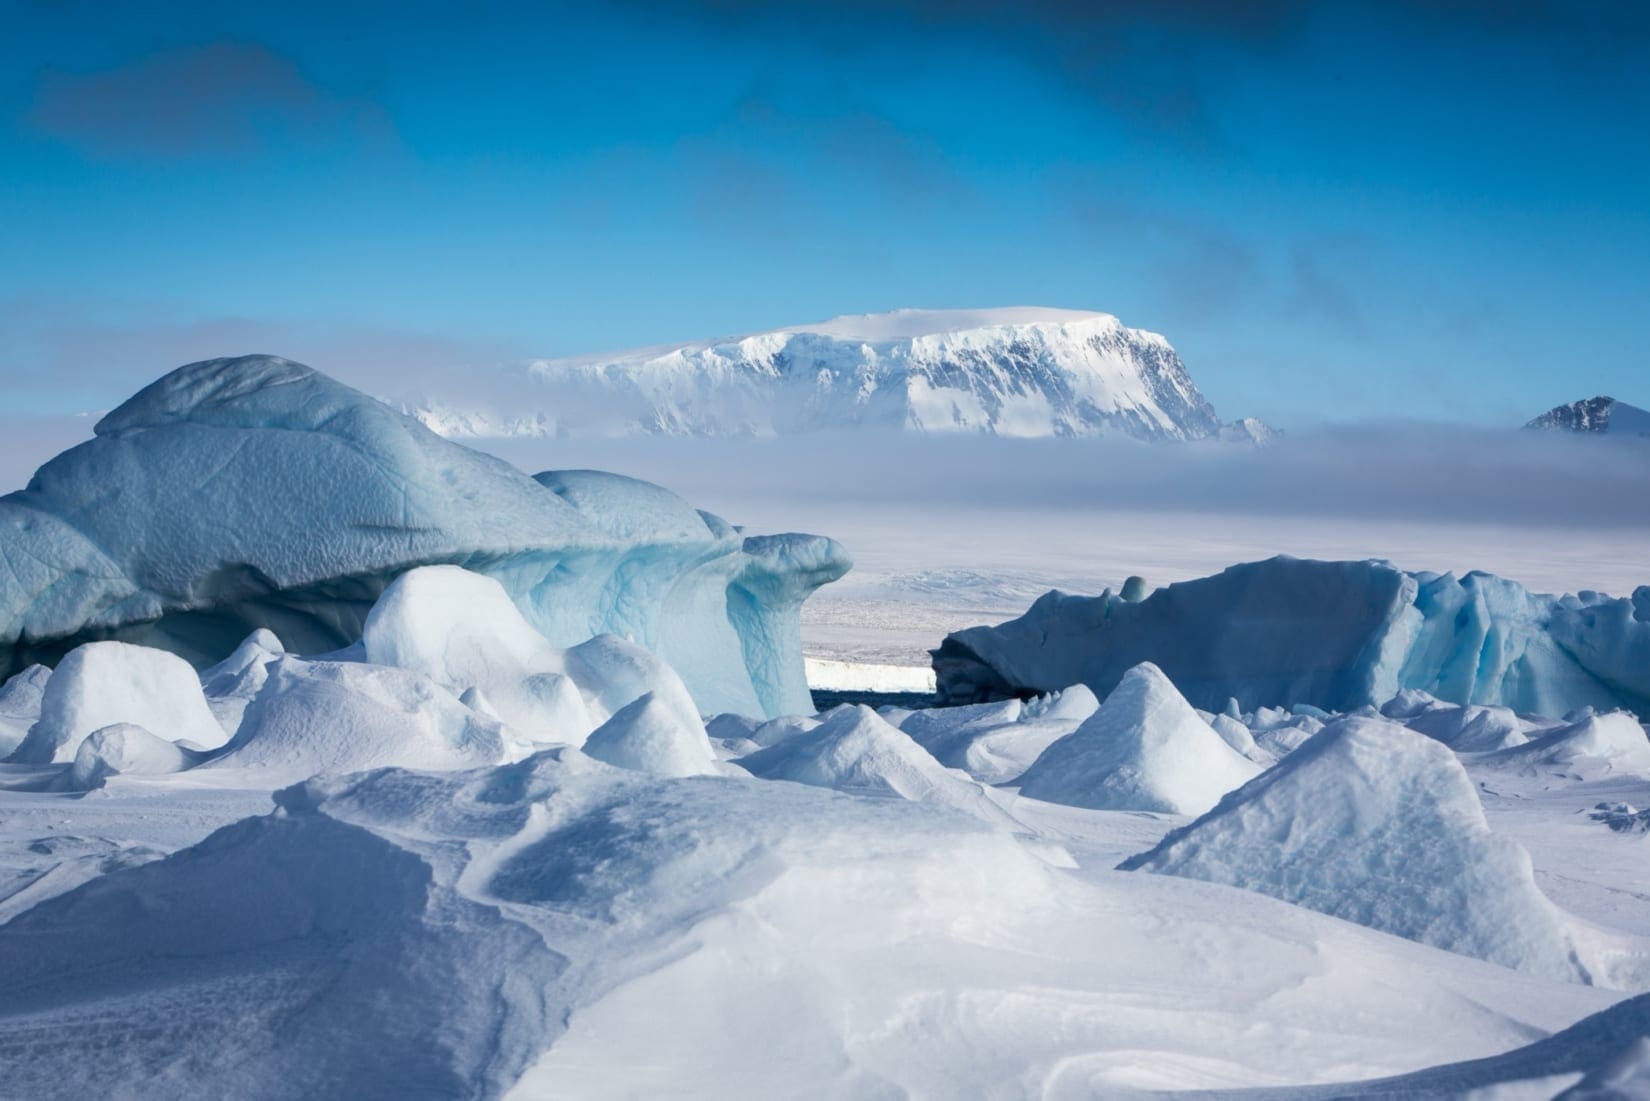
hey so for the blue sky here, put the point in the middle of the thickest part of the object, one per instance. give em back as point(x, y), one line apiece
point(1335, 211)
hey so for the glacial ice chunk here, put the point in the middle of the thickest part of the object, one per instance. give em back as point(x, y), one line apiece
point(235, 494)
point(1334, 635)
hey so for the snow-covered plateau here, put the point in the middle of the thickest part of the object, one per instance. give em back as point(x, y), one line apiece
point(1018, 371)
point(342, 761)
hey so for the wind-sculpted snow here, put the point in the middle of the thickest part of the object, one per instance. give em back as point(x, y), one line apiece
point(556, 927)
point(1144, 749)
point(102, 683)
point(1334, 635)
point(1010, 372)
point(254, 492)
point(1379, 825)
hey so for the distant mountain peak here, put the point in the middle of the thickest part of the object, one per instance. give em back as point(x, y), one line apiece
point(1601, 414)
point(1012, 371)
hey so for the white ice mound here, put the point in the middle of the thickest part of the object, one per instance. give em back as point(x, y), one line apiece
point(462, 630)
point(648, 735)
point(1379, 825)
point(1335, 635)
point(20, 701)
point(124, 749)
point(254, 492)
point(1615, 742)
point(103, 683)
point(1145, 749)
point(1465, 729)
point(996, 742)
point(855, 751)
point(322, 716)
point(233, 683)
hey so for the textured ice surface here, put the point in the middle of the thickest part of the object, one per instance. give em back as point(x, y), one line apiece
point(254, 492)
point(1379, 825)
point(1144, 749)
point(1337, 635)
point(103, 683)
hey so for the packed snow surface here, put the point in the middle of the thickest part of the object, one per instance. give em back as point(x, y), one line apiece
point(253, 492)
point(1336, 635)
point(1144, 749)
point(1019, 371)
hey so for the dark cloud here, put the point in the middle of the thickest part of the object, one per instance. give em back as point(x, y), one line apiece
point(221, 97)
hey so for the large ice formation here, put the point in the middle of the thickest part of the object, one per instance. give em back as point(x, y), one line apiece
point(255, 492)
point(1379, 825)
point(1336, 635)
point(1144, 749)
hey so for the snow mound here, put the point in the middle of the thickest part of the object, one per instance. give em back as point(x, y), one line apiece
point(1468, 728)
point(462, 630)
point(124, 749)
point(251, 492)
point(100, 684)
point(316, 717)
point(855, 751)
point(1381, 826)
point(648, 735)
point(20, 701)
point(1145, 749)
point(1020, 371)
point(996, 742)
point(235, 681)
point(1615, 741)
point(1335, 635)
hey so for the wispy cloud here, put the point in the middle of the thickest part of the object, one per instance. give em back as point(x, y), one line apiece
point(223, 97)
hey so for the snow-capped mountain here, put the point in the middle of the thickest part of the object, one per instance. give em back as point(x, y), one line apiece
point(1600, 414)
point(1021, 371)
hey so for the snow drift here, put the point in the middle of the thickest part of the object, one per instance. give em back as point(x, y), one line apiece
point(1144, 749)
point(254, 492)
point(1381, 826)
point(1335, 635)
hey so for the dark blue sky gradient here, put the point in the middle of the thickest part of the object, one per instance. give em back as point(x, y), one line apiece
point(1336, 211)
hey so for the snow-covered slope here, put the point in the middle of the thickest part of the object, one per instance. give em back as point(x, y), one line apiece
point(1601, 414)
point(1020, 371)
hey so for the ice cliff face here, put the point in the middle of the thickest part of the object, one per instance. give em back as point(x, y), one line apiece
point(255, 492)
point(1336, 635)
point(1007, 372)
point(1600, 414)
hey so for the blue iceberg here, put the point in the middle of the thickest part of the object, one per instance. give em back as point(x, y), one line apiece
point(234, 494)
point(1333, 635)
